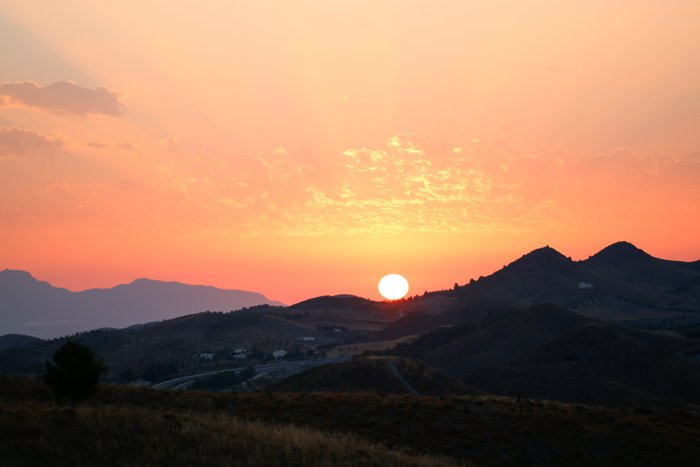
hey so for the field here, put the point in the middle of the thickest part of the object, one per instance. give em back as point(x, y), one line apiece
point(42, 432)
point(175, 427)
point(360, 347)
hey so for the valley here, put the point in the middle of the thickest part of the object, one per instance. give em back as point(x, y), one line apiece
point(529, 330)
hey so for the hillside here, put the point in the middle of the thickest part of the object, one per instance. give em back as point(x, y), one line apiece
point(29, 306)
point(177, 343)
point(501, 341)
point(335, 429)
point(486, 333)
point(548, 352)
point(619, 282)
point(9, 341)
point(373, 374)
point(130, 434)
point(346, 311)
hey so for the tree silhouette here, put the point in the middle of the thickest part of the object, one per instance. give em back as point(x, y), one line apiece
point(74, 370)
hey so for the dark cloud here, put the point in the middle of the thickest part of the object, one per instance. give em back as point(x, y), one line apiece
point(62, 98)
point(19, 141)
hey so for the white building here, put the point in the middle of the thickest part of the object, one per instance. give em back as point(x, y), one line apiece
point(209, 356)
point(279, 353)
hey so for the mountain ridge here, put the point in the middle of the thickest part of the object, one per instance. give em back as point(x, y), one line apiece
point(34, 307)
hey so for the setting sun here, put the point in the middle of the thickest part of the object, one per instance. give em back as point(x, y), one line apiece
point(393, 286)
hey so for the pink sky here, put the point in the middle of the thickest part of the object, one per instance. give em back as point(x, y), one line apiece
point(309, 147)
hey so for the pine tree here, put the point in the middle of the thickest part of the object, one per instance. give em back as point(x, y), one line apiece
point(74, 370)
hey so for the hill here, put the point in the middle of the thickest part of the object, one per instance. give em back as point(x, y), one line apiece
point(619, 282)
point(550, 353)
point(375, 374)
point(130, 434)
point(36, 308)
point(501, 341)
point(346, 311)
point(9, 341)
point(489, 333)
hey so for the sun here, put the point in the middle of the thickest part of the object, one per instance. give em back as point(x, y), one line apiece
point(393, 286)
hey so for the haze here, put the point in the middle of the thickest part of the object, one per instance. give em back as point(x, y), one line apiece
point(310, 147)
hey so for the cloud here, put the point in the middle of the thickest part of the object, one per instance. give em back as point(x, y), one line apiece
point(170, 143)
point(95, 144)
point(410, 185)
point(62, 98)
point(61, 189)
point(20, 141)
point(126, 146)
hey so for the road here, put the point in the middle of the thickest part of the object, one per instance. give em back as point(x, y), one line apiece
point(288, 367)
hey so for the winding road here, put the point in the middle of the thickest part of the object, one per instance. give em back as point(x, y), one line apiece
point(289, 367)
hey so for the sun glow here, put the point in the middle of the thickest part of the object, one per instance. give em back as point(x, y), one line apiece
point(393, 286)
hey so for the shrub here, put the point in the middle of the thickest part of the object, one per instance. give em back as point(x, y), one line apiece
point(74, 370)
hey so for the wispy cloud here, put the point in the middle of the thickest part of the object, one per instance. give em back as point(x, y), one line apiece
point(21, 141)
point(409, 186)
point(62, 98)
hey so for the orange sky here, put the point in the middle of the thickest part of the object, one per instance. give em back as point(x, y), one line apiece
point(309, 147)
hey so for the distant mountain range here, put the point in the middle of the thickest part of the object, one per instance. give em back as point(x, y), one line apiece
point(33, 307)
point(619, 328)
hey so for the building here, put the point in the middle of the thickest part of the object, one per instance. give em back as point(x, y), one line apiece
point(209, 356)
point(279, 353)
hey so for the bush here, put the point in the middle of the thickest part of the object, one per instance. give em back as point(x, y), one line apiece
point(74, 370)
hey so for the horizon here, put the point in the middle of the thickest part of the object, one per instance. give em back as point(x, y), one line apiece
point(374, 296)
point(309, 149)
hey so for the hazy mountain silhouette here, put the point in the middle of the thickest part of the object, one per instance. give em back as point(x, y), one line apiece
point(37, 308)
point(10, 341)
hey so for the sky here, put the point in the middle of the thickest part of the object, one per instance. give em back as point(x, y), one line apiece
point(310, 147)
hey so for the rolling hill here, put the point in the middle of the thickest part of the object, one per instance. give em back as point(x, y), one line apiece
point(531, 329)
point(10, 341)
point(376, 374)
point(548, 352)
point(619, 282)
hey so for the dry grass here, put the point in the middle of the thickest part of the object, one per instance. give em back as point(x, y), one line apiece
point(46, 434)
point(484, 430)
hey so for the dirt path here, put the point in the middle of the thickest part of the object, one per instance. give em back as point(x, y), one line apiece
point(396, 373)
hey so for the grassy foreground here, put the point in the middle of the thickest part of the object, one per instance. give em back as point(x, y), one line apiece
point(38, 434)
point(126, 426)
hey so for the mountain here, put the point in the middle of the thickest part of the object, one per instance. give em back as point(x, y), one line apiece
point(620, 282)
point(544, 327)
point(37, 308)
